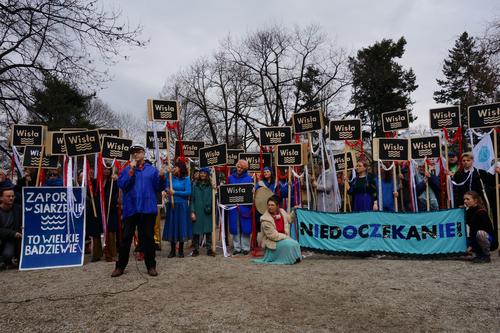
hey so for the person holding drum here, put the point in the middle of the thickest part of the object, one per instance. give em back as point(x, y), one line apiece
point(280, 249)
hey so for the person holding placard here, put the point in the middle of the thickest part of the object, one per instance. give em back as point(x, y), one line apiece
point(279, 248)
point(240, 219)
point(178, 225)
point(201, 212)
point(481, 238)
point(140, 182)
point(363, 189)
point(111, 196)
point(422, 178)
point(11, 216)
point(387, 187)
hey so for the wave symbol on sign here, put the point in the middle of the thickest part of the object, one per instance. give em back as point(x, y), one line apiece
point(27, 141)
point(83, 146)
point(393, 154)
point(425, 152)
point(491, 120)
point(444, 122)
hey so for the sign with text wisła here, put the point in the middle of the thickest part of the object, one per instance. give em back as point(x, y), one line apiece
point(53, 227)
point(27, 135)
point(116, 148)
point(31, 158)
point(233, 155)
point(308, 121)
point(82, 143)
point(386, 149)
point(117, 133)
point(237, 194)
point(291, 155)
point(347, 129)
point(271, 136)
point(163, 110)
point(339, 160)
point(213, 155)
point(395, 120)
point(484, 115)
point(253, 160)
point(161, 137)
point(425, 147)
point(55, 144)
point(191, 149)
point(426, 233)
point(448, 117)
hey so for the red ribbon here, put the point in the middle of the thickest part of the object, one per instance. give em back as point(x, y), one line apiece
point(357, 143)
point(176, 128)
point(456, 137)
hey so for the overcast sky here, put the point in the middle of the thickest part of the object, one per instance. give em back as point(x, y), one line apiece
point(183, 30)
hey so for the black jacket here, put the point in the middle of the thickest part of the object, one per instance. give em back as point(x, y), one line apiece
point(9, 231)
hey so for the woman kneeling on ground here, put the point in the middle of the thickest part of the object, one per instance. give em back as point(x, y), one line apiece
point(481, 239)
point(280, 249)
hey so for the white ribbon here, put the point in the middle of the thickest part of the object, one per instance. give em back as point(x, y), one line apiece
point(336, 190)
point(323, 167)
point(308, 192)
point(222, 209)
point(379, 182)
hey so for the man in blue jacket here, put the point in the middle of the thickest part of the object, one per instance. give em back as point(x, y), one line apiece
point(240, 219)
point(140, 182)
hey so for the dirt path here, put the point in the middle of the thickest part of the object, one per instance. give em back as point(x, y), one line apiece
point(323, 293)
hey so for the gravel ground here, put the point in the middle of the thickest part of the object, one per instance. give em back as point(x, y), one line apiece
point(323, 293)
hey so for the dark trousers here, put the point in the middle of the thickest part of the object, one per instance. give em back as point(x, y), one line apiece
point(208, 241)
point(9, 249)
point(145, 224)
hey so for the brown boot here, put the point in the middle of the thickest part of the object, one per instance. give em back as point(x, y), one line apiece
point(117, 272)
point(152, 271)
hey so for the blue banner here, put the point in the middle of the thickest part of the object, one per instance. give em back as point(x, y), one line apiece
point(426, 233)
point(53, 227)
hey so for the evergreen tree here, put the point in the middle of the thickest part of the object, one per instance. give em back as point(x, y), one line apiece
point(59, 104)
point(468, 77)
point(379, 83)
point(307, 88)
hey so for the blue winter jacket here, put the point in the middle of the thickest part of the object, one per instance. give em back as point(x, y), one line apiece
point(181, 187)
point(140, 190)
point(244, 212)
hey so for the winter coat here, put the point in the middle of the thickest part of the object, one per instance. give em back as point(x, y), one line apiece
point(270, 236)
point(244, 212)
point(201, 205)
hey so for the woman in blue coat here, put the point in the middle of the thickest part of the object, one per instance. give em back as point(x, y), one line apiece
point(178, 226)
point(240, 219)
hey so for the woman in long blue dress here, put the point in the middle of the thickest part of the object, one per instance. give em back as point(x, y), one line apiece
point(363, 189)
point(280, 249)
point(178, 227)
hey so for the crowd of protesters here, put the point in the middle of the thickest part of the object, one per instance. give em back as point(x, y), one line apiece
point(136, 195)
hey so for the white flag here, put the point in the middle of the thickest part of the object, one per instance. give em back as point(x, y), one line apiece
point(483, 153)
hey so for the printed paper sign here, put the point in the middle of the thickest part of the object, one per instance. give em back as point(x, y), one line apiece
point(272, 136)
point(53, 227)
point(82, 143)
point(162, 110)
point(309, 121)
point(161, 137)
point(191, 148)
point(484, 115)
point(253, 160)
point(233, 155)
point(27, 135)
point(291, 155)
point(237, 194)
point(348, 129)
point(116, 148)
point(448, 117)
point(395, 120)
point(213, 155)
point(425, 147)
point(386, 149)
point(31, 158)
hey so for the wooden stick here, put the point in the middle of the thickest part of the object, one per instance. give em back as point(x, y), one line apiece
point(497, 194)
point(276, 178)
point(168, 162)
point(345, 181)
point(395, 189)
point(110, 193)
point(289, 201)
point(427, 199)
point(39, 166)
point(401, 190)
point(214, 222)
point(380, 204)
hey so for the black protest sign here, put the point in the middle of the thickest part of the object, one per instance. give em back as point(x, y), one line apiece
point(309, 121)
point(423, 147)
point(272, 136)
point(116, 148)
point(191, 149)
point(213, 155)
point(290, 155)
point(117, 133)
point(27, 135)
point(484, 115)
point(161, 137)
point(31, 158)
point(386, 149)
point(233, 155)
point(55, 143)
point(237, 194)
point(253, 160)
point(82, 143)
point(73, 129)
point(162, 110)
point(339, 160)
point(395, 120)
point(347, 129)
point(448, 117)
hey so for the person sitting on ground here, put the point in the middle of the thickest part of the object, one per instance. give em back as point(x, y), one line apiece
point(10, 229)
point(280, 249)
point(481, 238)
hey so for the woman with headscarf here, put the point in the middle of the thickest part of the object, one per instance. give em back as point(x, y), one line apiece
point(178, 226)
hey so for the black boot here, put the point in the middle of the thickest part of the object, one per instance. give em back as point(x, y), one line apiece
point(181, 250)
point(172, 250)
